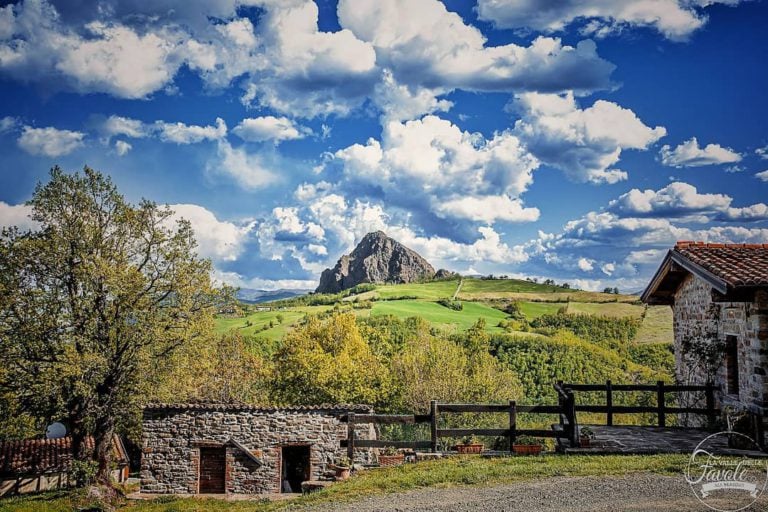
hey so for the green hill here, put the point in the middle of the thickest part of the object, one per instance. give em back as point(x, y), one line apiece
point(480, 298)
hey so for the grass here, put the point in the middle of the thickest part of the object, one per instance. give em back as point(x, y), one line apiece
point(432, 291)
point(464, 471)
point(656, 326)
point(440, 315)
point(259, 319)
point(536, 309)
point(613, 309)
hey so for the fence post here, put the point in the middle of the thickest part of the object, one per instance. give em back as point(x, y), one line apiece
point(433, 424)
point(351, 436)
point(661, 404)
point(609, 402)
point(571, 413)
point(512, 423)
point(710, 397)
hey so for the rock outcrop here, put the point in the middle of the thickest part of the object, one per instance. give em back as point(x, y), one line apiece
point(376, 259)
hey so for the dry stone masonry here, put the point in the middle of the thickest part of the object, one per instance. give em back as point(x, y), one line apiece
point(252, 440)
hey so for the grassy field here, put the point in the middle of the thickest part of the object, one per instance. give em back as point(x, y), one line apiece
point(260, 319)
point(657, 326)
point(536, 309)
point(431, 291)
point(464, 471)
point(614, 309)
point(440, 315)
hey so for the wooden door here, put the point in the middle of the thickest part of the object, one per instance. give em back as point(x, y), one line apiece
point(213, 466)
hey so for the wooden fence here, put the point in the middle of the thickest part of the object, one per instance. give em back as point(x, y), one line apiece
point(660, 389)
point(564, 410)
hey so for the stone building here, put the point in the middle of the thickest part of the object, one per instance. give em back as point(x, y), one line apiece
point(719, 296)
point(227, 448)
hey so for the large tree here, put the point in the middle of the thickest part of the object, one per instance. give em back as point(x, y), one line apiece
point(93, 301)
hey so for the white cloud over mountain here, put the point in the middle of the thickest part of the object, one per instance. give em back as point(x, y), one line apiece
point(446, 170)
point(689, 154)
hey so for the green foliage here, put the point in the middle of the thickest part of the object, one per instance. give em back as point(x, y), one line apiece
point(455, 305)
point(659, 356)
point(83, 472)
point(539, 361)
point(514, 310)
point(92, 303)
point(435, 368)
point(611, 333)
point(329, 362)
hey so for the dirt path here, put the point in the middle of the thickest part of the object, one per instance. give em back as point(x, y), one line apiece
point(458, 289)
point(640, 492)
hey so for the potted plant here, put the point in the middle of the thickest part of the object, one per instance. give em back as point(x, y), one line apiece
point(586, 435)
point(389, 456)
point(526, 445)
point(342, 467)
point(469, 444)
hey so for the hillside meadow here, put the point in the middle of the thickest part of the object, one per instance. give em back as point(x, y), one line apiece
point(481, 298)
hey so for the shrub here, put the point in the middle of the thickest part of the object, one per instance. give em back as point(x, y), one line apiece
point(83, 472)
point(455, 305)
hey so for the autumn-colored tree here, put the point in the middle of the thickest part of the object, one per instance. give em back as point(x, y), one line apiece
point(92, 301)
point(328, 361)
point(436, 368)
point(221, 368)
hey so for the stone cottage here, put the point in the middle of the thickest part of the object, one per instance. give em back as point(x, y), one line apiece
point(204, 448)
point(719, 296)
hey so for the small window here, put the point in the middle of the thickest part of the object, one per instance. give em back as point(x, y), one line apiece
point(731, 365)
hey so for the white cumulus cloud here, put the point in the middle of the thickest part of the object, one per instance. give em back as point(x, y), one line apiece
point(587, 143)
point(260, 129)
point(689, 154)
point(49, 141)
point(675, 19)
point(122, 148)
point(181, 133)
point(216, 239)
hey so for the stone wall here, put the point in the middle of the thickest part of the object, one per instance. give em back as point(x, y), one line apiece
point(701, 323)
point(172, 438)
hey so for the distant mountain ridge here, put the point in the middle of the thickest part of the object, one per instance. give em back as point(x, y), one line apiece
point(251, 296)
point(376, 259)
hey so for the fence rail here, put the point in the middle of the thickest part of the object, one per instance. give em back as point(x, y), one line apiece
point(661, 409)
point(564, 410)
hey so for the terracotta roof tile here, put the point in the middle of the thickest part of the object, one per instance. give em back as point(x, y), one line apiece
point(738, 265)
point(37, 456)
point(215, 406)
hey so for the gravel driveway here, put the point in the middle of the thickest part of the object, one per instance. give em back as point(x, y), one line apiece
point(638, 492)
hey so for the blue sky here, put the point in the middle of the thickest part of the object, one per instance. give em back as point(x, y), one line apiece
point(573, 140)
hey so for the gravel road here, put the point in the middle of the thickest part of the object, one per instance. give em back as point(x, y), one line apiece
point(638, 492)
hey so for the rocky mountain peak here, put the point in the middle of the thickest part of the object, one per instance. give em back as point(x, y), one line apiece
point(376, 259)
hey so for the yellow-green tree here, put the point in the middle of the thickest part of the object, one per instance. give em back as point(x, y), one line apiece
point(436, 368)
point(221, 368)
point(329, 361)
point(92, 301)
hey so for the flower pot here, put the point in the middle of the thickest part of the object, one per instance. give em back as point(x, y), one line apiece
point(469, 448)
point(342, 473)
point(585, 442)
point(391, 460)
point(527, 449)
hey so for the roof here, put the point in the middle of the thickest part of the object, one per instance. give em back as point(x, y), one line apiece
point(216, 406)
point(728, 268)
point(38, 456)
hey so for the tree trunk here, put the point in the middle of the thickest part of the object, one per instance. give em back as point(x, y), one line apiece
point(102, 438)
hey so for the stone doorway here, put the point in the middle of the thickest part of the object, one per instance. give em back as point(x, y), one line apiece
point(213, 467)
point(295, 467)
